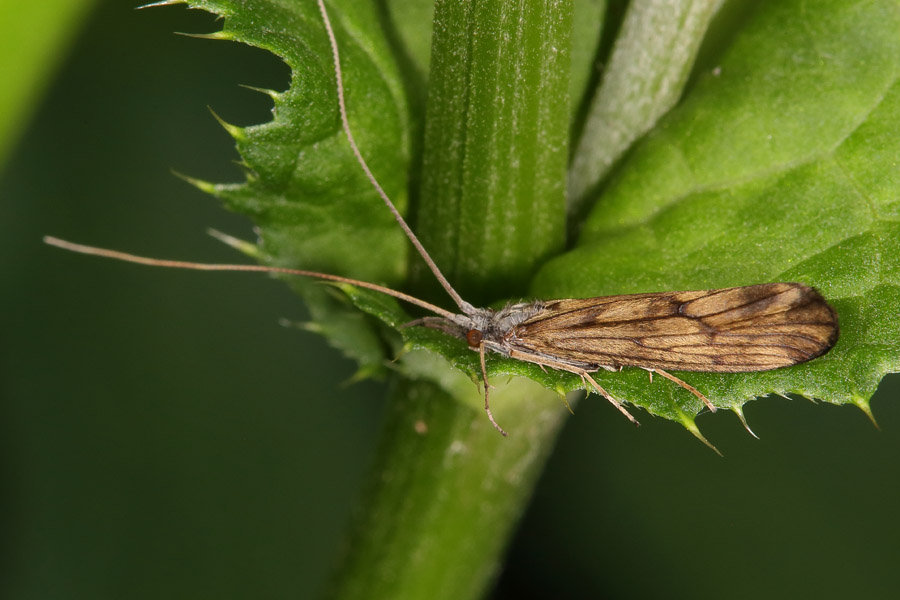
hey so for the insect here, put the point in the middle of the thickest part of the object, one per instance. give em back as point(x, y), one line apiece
point(741, 329)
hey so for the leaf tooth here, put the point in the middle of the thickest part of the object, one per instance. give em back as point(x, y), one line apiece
point(863, 405)
point(739, 411)
point(161, 3)
point(275, 96)
point(311, 326)
point(203, 186)
point(364, 373)
point(220, 35)
point(238, 133)
point(690, 425)
point(565, 401)
point(248, 171)
point(242, 246)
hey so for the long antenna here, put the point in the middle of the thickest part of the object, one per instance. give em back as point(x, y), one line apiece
point(180, 264)
point(462, 304)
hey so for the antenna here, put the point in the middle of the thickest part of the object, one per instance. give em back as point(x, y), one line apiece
point(194, 266)
point(462, 304)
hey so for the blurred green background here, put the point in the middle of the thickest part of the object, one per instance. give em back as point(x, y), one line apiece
point(164, 436)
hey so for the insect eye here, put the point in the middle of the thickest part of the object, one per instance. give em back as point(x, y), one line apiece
point(474, 337)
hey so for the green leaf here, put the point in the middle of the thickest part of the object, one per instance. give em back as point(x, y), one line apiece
point(779, 167)
point(33, 43)
point(310, 216)
point(412, 20)
point(764, 172)
point(304, 190)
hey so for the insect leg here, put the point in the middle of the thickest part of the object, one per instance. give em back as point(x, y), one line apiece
point(585, 375)
point(686, 386)
point(487, 387)
point(543, 361)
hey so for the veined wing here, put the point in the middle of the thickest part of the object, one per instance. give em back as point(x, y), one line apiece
point(751, 328)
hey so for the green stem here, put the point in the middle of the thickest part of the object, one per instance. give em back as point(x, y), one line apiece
point(496, 142)
point(448, 489)
point(647, 71)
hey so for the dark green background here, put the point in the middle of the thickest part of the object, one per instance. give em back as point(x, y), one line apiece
point(163, 435)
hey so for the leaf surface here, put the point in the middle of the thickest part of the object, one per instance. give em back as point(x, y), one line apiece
point(780, 166)
point(304, 190)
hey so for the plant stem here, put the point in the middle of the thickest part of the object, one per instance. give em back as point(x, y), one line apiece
point(446, 492)
point(649, 66)
point(448, 489)
point(496, 143)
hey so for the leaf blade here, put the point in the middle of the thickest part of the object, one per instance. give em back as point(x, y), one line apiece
point(732, 189)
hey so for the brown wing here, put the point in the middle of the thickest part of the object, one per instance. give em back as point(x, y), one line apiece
point(752, 328)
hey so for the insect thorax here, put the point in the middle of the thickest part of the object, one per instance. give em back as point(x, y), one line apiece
point(494, 326)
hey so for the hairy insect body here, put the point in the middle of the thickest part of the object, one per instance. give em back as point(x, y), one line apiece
point(731, 330)
point(742, 329)
point(496, 327)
